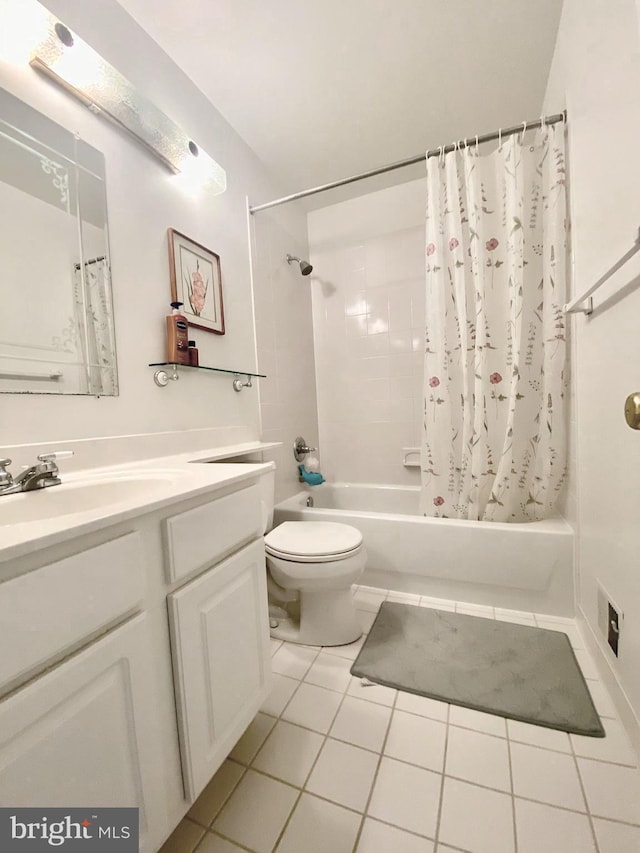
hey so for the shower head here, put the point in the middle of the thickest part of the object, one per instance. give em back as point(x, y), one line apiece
point(305, 266)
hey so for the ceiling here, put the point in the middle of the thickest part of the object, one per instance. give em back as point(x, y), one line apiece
point(323, 89)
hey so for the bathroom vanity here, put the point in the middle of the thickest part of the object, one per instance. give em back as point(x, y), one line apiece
point(134, 631)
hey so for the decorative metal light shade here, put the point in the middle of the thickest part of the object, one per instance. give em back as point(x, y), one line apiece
point(74, 65)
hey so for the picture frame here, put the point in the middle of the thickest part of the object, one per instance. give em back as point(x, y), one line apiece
point(196, 281)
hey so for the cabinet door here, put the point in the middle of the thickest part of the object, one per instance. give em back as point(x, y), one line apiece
point(83, 734)
point(220, 637)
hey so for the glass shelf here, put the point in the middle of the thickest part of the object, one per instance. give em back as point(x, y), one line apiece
point(202, 367)
point(161, 377)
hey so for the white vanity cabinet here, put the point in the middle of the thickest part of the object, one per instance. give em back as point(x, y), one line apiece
point(78, 714)
point(84, 733)
point(220, 639)
point(133, 656)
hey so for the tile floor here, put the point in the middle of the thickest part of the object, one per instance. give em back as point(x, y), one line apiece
point(330, 765)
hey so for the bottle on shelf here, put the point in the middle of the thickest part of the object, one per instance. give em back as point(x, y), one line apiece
point(193, 354)
point(177, 336)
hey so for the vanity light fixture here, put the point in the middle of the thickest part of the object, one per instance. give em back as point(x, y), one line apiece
point(75, 66)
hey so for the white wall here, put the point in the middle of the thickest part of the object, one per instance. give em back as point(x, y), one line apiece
point(284, 333)
point(596, 75)
point(368, 307)
point(143, 202)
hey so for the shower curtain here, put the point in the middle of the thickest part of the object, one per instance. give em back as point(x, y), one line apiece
point(91, 299)
point(493, 443)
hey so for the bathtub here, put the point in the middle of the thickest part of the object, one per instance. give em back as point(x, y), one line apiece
point(515, 566)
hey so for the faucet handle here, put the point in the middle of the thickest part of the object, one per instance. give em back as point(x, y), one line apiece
point(58, 454)
point(301, 448)
point(49, 460)
point(5, 476)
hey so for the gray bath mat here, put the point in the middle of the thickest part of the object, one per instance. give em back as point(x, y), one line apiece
point(528, 674)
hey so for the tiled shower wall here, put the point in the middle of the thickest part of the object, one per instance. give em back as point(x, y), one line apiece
point(368, 307)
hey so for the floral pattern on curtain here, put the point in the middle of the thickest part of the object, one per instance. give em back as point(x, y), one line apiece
point(93, 318)
point(493, 444)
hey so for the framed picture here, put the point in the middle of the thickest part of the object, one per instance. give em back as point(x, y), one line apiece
point(196, 281)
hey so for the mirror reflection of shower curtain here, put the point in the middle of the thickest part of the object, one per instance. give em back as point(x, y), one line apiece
point(494, 443)
point(91, 296)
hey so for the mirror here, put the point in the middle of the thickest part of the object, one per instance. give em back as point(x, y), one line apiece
point(56, 321)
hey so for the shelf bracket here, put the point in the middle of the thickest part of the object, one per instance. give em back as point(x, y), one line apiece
point(238, 384)
point(161, 377)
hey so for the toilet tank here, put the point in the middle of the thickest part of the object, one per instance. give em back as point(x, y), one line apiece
point(267, 484)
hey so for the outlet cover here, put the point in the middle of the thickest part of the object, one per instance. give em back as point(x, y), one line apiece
point(613, 629)
point(610, 619)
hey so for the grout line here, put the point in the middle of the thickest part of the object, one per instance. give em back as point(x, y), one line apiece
point(513, 793)
point(287, 821)
point(226, 799)
point(444, 722)
point(584, 796)
point(605, 761)
point(250, 764)
point(375, 775)
point(615, 820)
point(305, 673)
point(462, 779)
point(573, 811)
point(393, 826)
point(456, 725)
point(196, 824)
point(303, 789)
point(442, 781)
point(325, 735)
point(228, 838)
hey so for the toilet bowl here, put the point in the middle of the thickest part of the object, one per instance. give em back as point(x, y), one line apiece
point(310, 569)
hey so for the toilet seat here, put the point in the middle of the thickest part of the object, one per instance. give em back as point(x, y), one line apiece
point(314, 564)
point(313, 541)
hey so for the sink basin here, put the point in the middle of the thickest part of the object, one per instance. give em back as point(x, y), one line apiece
point(78, 496)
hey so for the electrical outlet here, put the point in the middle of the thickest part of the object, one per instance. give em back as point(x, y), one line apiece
point(613, 628)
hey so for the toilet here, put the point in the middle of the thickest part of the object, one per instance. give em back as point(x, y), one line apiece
point(311, 566)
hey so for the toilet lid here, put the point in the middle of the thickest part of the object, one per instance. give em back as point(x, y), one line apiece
point(312, 539)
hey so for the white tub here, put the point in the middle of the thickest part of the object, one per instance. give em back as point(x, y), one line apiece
point(520, 566)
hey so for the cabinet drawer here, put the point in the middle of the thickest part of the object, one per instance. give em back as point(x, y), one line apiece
point(199, 537)
point(53, 609)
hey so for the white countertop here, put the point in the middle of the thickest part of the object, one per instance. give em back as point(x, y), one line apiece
point(156, 483)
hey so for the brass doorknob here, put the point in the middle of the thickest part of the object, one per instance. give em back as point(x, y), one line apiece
point(632, 410)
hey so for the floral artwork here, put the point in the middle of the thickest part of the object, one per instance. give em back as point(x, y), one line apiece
point(493, 443)
point(196, 281)
point(196, 289)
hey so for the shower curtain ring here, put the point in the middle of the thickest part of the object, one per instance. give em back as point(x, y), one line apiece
point(524, 130)
point(476, 144)
point(499, 138)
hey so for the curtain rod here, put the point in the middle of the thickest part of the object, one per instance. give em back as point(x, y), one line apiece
point(487, 137)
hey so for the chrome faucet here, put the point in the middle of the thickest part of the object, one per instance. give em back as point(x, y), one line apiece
point(39, 476)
